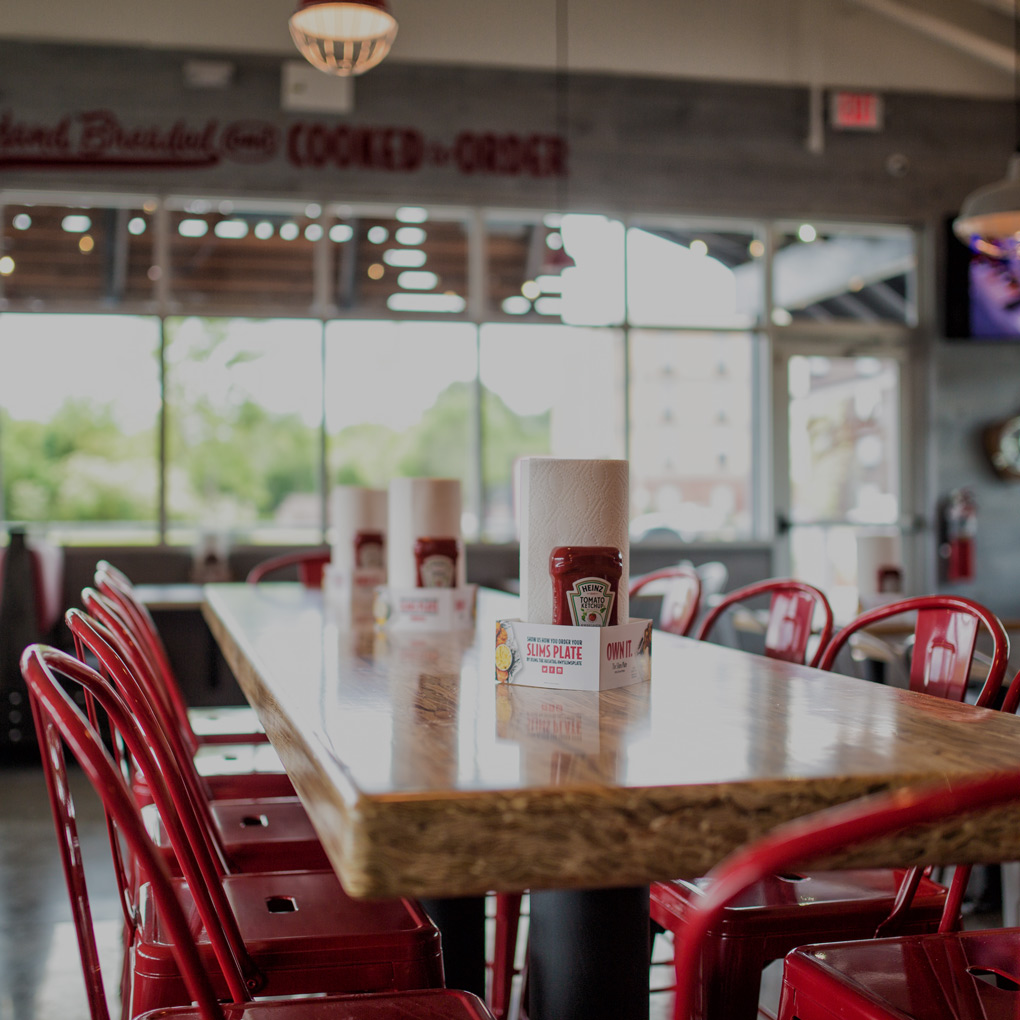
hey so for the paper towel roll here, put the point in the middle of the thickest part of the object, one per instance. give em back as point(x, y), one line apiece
point(353, 509)
point(874, 552)
point(570, 502)
point(421, 508)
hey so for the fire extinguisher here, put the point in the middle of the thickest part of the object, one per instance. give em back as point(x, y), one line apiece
point(959, 527)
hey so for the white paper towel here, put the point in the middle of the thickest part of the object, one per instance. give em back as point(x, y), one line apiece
point(421, 508)
point(570, 502)
point(354, 508)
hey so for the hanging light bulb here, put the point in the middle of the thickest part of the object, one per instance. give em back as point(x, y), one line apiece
point(343, 38)
point(989, 220)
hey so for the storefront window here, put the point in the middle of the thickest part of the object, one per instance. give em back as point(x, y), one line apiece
point(546, 390)
point(694, 276)
point(400, 400)
point(691, 427)
point(411, 262)
point(305, 344)
point(79, 448)
point(229, 258)
point(74, 255)
point(244, 410)
point(822, 274)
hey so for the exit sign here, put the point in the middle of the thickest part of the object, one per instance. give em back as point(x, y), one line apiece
point(855, 111)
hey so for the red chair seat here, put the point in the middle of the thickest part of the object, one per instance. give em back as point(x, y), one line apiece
point(964, 976)
point(269, 834)
point(317, 939)
point(789, 910)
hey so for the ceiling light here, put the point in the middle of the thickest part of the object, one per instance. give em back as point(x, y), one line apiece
point(411, 214)
point(343, 38)
point(990, 217)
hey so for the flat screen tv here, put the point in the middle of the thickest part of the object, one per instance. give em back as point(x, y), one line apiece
point(982, 294)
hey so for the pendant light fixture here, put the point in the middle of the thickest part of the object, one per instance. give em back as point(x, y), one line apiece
point(343, 38)
point(989, 220)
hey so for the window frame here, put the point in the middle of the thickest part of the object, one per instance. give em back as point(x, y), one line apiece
point(769, 480)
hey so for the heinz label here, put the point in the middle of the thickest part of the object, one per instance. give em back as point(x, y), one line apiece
point(590, 600)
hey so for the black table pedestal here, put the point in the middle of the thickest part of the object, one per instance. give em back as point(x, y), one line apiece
point(589, 954)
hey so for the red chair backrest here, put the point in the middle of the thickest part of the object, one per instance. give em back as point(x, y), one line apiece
point(173, 782)
point(310, 567)
point(58, 720)
point(945, 636)
point(116, 586)
point(797, 844)
point(681, 598)
point(791, 614)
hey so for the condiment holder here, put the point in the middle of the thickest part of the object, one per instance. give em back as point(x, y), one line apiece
point(584, 648)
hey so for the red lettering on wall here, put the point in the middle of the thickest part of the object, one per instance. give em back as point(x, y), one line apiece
point(101, 139)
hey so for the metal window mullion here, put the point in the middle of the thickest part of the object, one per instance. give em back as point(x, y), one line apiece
point(477, 301)
point(323, 439)
point(162, 436)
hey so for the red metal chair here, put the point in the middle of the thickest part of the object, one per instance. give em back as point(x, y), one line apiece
point(866, 980)
point(310, 567)
point(248, 834)
point(680, 588)
point(284, 932)
point(791, 613)
point(232, 764)
point(784, 911)
point(57, 721)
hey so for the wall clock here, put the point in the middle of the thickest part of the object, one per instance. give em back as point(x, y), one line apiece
point(1002, 444)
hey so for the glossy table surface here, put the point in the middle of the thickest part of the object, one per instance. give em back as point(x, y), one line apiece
point(424, 777)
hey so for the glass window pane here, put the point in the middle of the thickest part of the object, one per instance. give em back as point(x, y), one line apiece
point(553, 390)
point(388, 265)
point(77, 444)
point(692, 276)
point(558, 269)
point(844, 439)
point(822, 275)
point(71, 254)
point(691, 425)
point(844, 466)
point(228, 258)
point(400, 400)
point(244, 412)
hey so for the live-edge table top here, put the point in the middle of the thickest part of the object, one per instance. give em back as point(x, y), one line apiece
point(424, 777)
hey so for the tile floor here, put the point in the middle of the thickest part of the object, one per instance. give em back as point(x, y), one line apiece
point(40, 975)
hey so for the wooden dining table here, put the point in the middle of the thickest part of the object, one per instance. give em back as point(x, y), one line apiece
point(424, 777)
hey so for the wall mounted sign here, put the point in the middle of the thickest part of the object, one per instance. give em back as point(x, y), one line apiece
point(856, 111)
point(100, 140)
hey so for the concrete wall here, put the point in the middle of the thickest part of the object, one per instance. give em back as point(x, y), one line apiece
point(824, 42)
point(976, 384)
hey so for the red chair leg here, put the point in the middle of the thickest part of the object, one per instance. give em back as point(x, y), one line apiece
point(731, 978)
point(508, 915)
